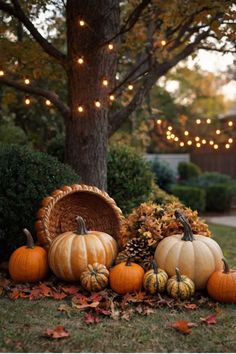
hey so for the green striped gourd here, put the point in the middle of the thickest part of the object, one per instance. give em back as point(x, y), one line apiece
point(180, 286)
point(95, 277)
point(155, 280)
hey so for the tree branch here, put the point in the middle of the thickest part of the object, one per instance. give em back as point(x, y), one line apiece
point(17, 12)
point(52, 96)
point(116, 119)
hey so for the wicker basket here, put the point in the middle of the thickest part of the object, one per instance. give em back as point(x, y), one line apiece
point(59, 210)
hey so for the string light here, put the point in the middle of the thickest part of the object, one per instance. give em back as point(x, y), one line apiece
point(204, 141)
point(172, 136)
point(80, 61)
point(197, 138)
point(218, 131)
point(48, 103)
point(97, 104)
point(198, 121)
point(170, 127)
point(186, 133)
point(168, 137)
point(105, 82)
point(27, 101)
point(176, 139)
point(189, 142)
point(27, 81)
point(112, 98)
point(130, 87)
point(110, 46)
point(208, 121)
point(211, 142)
point(198, 145)
point(230, 123)
point(1, 73)
point(227, 146)
point(216, 146)
point(158, 121)
point(163, 42)
point(80, 109)
point(181, 144)
point(81, 23)
point(168, 132)
point(230, 140)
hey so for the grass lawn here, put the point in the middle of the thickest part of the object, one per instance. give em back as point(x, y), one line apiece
point(22, 323)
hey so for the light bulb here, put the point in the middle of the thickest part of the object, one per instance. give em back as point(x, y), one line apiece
point(130, 87)
point(170, 127)
point(82, 23)
point(80, 109)
point(110, 46)
point(97, 104)
point(204, 141)
point(158, 121)
point(112, 98)
point(48, 103)
point(211, 142)
point(189, 142)
point(105, 82)
point(227, 146)
point(163, 42)
point(208, 121)
point(198, 121)
point(198, 145)
point(1, 73)
point(230, 123)
point(197, 138)
point(186, 133)
point(168, 137)
point(80, 61)
point(27, 101)
point(230, 140)
point(216, 146)
point(27, 81)
point(181, 144)
point(172, 136)
point(176, 139)
point(218, 131)
point(168, 132)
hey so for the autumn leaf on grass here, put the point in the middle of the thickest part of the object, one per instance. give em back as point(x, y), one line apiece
point(35, 294)
point(102, 311)
point(45, 290)
point(56, 333)
point(58, 296)
point(64, 308)
point(183, 326)
point(115, 314)
point(211, 319)
point(89, 318)
point(71, 290)
point(190, 306)
point(15, 294)
point(148, 311)
point(82, 302)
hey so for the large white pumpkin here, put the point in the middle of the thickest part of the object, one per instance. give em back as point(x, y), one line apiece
point(196, 256)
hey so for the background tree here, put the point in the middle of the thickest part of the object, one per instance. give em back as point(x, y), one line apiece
point(83, 43)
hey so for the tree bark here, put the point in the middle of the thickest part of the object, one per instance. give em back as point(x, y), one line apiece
point(87, 131)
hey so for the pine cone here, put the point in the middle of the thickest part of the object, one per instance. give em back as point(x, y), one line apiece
point(138, 249)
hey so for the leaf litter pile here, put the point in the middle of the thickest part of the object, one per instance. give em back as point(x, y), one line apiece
point(105, 304)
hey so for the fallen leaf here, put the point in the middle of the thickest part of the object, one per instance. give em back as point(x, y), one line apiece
point(58, 296)
point(71, 290)
point(147, 311)
point(89, 318)
point(139, 309)
point(103, 311)
point(126, 315)
point(64, 308)
point(15, 294)
point(115, 314)
point(56, 333)
point(45, 290)
point(190, 306)
point(35, 294)
point(183, 326)
point(211, 319)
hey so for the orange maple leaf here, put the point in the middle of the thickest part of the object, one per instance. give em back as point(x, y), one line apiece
point(183, 326)
point(56, 333)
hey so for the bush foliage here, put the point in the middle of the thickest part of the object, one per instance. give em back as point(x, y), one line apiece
point(25, 178)
point(164, 174)
point(219, 197)
point(188, 170)
point(192, 197)
point(129, 177)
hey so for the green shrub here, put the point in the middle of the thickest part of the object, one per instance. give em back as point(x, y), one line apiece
point(25, 178)
point(211, 178)
point(219, 197)
point(56, 147)
point(129, 177)
point(159, 196)
point(192, 197)
point(188, 170)
point(11, 134)
point(164, 174)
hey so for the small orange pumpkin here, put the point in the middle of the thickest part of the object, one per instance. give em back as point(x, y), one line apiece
point(221, 285)
point(28, 263)
point(126, 277)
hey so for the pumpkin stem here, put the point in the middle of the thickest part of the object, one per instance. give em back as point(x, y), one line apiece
point(226, 266)
point(188, 234)
point(81, 228)
point(30, 241)
point(128, 261)
point(178, 275)
point(155, 266)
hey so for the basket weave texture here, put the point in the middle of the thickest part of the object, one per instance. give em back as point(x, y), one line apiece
point(59, 210)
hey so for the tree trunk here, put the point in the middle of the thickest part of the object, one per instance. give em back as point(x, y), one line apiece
point(87, 131)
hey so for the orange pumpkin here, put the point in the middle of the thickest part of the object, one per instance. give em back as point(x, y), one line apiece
point(28, 263)
point(71, 252)
point(221, 285)
point(126, 277)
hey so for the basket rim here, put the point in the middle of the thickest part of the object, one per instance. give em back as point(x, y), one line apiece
point(48, 203)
